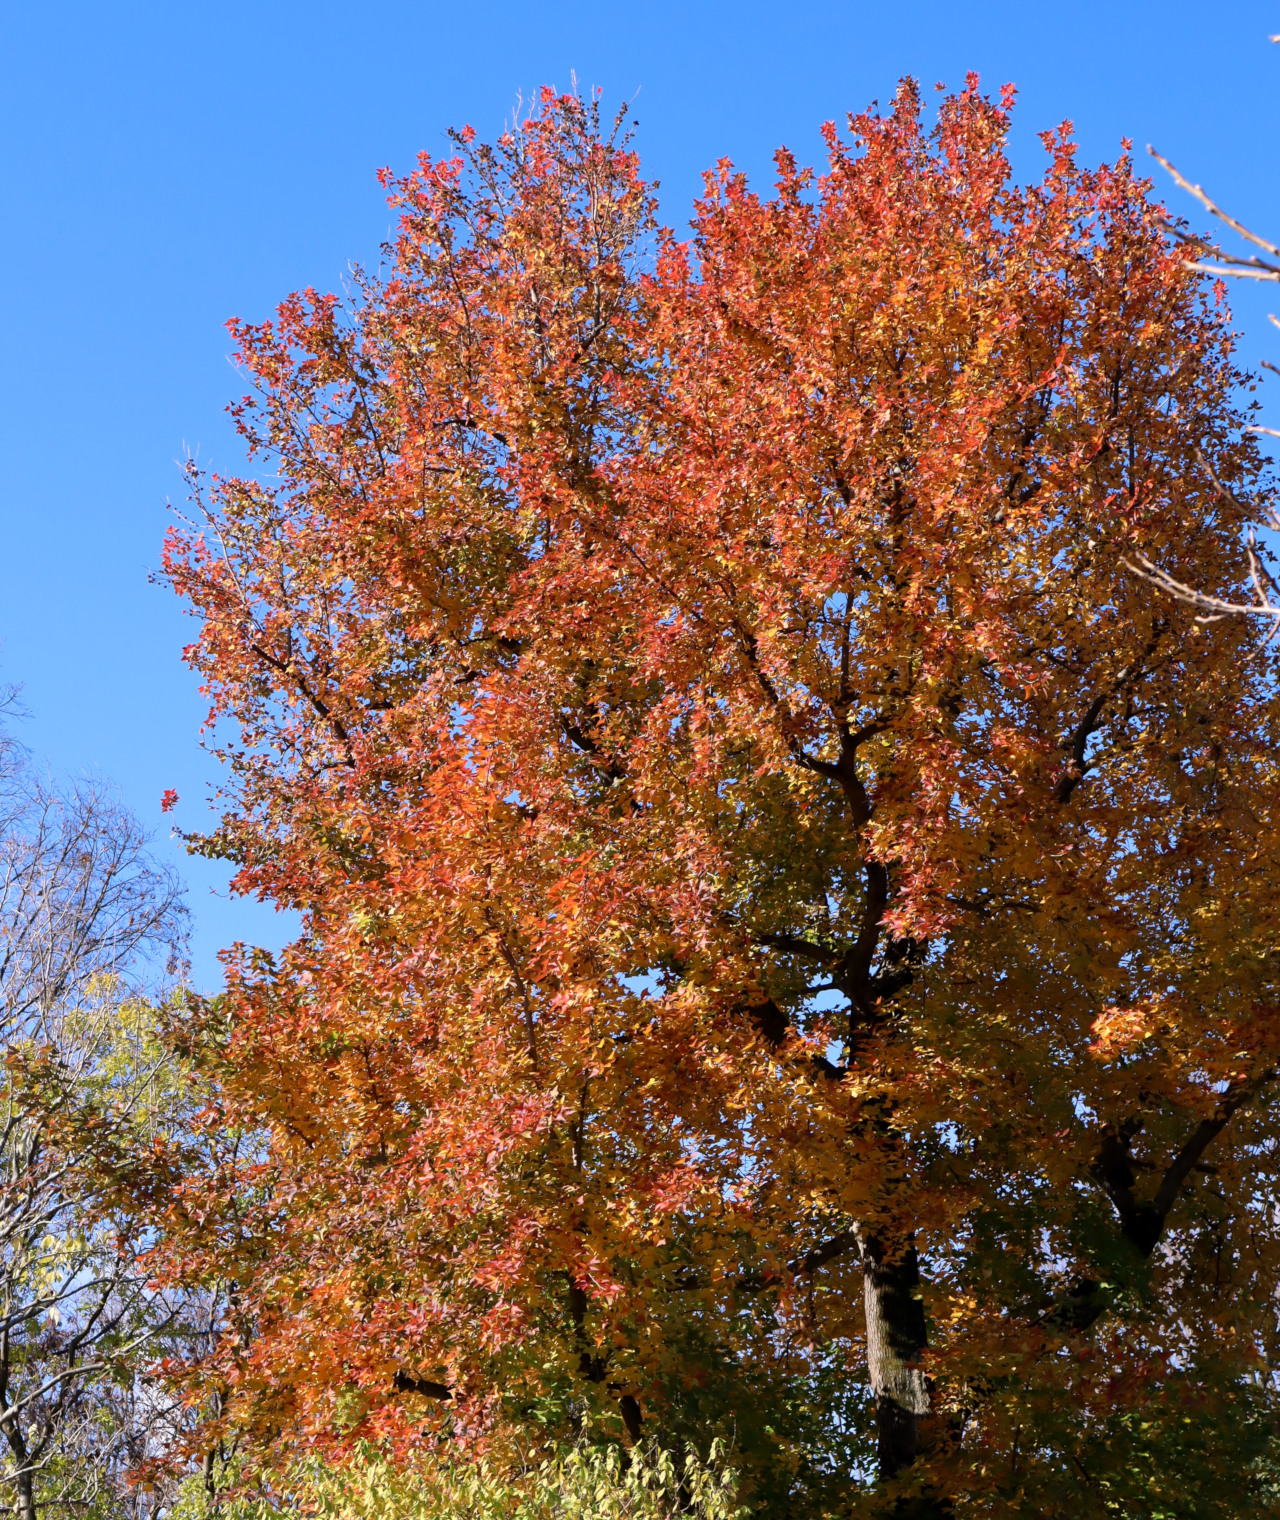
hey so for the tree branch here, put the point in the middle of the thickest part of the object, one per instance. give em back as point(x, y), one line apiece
point(424, 1386)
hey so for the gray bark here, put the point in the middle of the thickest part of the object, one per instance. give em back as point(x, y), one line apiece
point(896, 1340)
point(26, 1505)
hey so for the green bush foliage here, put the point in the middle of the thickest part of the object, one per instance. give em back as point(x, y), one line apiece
point(583, 1484)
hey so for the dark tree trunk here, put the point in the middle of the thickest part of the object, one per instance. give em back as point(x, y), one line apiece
point(631, 1416)
point(896, 1340)
point(25, 1482)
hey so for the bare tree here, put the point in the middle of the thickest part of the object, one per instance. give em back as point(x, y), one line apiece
point(88, 924)
point(1209, 257)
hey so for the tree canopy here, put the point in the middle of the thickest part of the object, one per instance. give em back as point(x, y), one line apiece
point(789, 944)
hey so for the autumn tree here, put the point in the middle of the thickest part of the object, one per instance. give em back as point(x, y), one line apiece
point(789, 921)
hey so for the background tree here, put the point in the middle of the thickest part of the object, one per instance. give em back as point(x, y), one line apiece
point(1208, 257)
point(83, 908)
point(789, 922)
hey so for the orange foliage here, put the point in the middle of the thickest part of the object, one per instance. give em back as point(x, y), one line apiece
point(756, 843)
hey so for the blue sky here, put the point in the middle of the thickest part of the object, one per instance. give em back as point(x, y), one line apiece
point(165, 167)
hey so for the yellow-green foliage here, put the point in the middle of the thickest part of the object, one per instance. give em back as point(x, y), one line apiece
point(584, 1484)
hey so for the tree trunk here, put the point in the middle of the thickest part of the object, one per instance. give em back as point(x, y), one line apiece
point(896, 1339)
point(24, 1506)
point(26, 1502)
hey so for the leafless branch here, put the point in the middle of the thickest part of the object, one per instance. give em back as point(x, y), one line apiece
point(1212, 609)
point(1224, 263)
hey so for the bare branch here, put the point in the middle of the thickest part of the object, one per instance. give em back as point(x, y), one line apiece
point(1263, 271)
point(1212, 609)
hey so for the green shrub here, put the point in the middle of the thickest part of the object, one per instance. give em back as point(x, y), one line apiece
point(583, 1484)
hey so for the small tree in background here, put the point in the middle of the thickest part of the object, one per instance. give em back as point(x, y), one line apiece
point(83, 911)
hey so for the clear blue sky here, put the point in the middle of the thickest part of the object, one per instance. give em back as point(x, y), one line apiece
point(167, 166)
